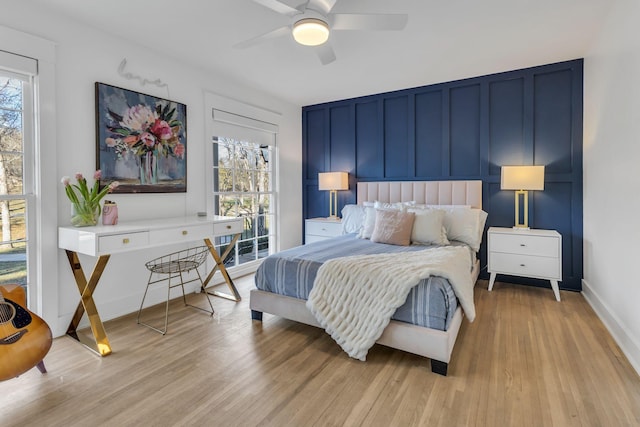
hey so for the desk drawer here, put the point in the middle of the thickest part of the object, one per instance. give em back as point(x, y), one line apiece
point(187, 233)
point(525, 244)
point(225, 228)
point(122, 242)
point(524, 265)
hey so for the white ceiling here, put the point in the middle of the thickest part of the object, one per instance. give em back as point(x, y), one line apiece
point(444, 40)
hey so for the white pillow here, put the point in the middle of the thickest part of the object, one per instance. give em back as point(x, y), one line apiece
point(394, 205)
point(428, 227)
point(370, 217)
point(444, 207)
point(465, 225)
point(352, 218)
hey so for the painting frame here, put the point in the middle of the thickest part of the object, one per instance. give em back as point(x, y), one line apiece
point(141, 141)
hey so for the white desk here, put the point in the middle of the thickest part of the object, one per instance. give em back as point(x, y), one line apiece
point(102, 241)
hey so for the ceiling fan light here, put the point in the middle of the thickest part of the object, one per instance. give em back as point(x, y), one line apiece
point(311, 31)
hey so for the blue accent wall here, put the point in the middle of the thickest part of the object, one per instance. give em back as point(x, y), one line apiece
point(464, 129)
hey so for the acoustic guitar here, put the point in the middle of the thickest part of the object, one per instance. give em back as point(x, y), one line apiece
point(24, 337)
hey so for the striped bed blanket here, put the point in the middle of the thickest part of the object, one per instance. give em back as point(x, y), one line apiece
point(292, 272)
point(353, 298)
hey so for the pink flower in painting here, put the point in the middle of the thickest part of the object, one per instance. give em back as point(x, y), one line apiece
point(144, 129)
point(161, 129)
point(131, 140)
point(138, 118)
point(178, 150)
point(148, 139)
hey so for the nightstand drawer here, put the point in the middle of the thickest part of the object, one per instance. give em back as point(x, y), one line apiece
point(324, 228)
point(524, 265)
point(525, 245)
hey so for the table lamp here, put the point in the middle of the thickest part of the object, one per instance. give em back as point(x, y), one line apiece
point(522, 179)
point(333, 181)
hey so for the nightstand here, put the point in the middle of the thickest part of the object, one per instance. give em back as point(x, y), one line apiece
point(321, 228)
point(527, 253)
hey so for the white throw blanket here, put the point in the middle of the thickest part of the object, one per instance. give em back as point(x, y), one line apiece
point(353, 298)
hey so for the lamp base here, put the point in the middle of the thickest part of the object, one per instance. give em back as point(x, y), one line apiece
point(333, 218)
point(521, 228)
point(524, 225)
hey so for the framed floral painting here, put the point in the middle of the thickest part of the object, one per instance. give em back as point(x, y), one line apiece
point(141, 141)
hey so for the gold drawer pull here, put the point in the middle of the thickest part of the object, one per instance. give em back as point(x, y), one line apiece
point(522, 244)
point(228, 227)
point(184, 232)
point(125, 240)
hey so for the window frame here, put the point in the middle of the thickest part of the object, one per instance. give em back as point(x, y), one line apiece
point(24, 69)
point(221, 111)
point(44, 297)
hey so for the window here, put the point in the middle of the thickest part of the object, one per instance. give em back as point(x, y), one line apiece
point(243, 185)
point(16, 169)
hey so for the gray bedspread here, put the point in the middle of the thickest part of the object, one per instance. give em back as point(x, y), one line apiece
point(431, 303)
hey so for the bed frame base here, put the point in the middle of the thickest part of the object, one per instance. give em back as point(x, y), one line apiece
point(431, 343)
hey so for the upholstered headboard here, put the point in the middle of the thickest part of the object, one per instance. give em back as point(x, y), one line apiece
point(423, 192)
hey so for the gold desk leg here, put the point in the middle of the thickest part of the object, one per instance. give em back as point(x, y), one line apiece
point(220, 265)
point(100, 343)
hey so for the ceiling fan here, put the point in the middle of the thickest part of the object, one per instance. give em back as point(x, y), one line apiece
point(312, 22)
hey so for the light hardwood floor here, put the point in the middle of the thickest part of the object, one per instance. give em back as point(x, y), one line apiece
point(527, 360)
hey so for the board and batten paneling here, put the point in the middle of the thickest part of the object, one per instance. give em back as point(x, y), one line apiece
point(465, 129)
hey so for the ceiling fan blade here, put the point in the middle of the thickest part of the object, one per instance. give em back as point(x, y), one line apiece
point(277, 6)
point(323, 6)
point(359, 21)
point(325, 53)
point(278, 32)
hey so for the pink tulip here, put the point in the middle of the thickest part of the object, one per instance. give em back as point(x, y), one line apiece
point(97, 174)
point(79, 176)
point(66, 180)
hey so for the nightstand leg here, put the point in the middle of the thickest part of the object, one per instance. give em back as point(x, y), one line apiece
point(556, 290)
point(492, 279)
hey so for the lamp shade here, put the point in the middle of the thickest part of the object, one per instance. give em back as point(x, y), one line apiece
point(333, 181)
point(522, 178)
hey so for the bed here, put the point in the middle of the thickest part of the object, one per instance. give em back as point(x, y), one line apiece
point(432, 335)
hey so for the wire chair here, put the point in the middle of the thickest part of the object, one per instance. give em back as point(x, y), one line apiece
point(173, 266)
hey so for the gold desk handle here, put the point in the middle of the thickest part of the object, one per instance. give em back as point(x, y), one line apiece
point(184, 232)
point(228, 227)
point(125, 241)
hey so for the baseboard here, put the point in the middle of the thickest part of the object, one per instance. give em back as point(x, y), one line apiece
point(618, 331)
point(127, 304)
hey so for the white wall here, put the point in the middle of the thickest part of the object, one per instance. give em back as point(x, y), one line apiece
point(612, 177)
point(84, 56)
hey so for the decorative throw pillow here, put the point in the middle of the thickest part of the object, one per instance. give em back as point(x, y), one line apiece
point(466, 225)
point(370, 217)
point(428, 227)
point(352, 218)
point(393, 227)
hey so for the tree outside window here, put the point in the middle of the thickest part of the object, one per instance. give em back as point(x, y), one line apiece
point(12, 202)
point(243, 187)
